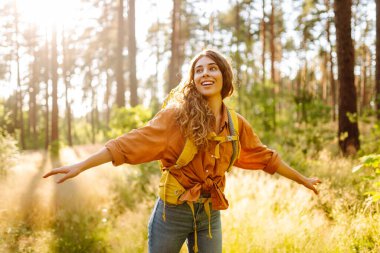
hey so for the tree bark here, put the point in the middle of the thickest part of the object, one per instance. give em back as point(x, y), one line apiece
point(66, 80)
point(272, 40)
point(107, 95)
point(19, 97)
point(46, 80)
point(273, 54)
point(331, 64)
point(377, 96)
point(120, 89)
point(33, 91)
point(174, 66)
point(363, 80)
point(348, 131)
point(54, 79)
point(325, 74)
point(237, 53)
point(263, 37)
point(132, 53)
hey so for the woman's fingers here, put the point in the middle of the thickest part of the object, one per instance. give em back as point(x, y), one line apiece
point(63, 179)
point(69, 171)
point(61, 170)
point(311, 187)
point(314, 181)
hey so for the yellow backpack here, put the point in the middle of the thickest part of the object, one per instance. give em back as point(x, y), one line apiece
point(170, 189)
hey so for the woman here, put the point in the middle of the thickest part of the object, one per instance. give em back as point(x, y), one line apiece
point(196, 112)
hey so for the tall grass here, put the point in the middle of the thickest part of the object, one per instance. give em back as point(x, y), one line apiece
point(107, 210)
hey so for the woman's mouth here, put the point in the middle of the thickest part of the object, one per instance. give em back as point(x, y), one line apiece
point(207, 83)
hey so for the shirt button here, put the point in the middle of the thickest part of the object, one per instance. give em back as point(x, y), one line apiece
point(207, 171)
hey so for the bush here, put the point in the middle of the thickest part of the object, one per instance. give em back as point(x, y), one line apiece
point(124, 120)
point(372, 165)
point(8, 152)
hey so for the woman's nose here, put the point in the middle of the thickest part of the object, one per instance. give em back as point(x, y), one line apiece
point(205, 72)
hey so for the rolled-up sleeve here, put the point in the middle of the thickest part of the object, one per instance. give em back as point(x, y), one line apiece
point(253, 154)
point(143, 144)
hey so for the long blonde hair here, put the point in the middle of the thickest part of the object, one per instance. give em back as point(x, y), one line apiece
point(194, 115)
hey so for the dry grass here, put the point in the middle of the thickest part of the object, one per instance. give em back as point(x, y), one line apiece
point(266, 214)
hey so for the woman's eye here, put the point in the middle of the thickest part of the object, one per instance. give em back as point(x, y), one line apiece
point(213, 68)
point(198, 71)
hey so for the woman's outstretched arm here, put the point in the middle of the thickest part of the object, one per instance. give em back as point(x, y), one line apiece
point(288, 172)
point(70, 171)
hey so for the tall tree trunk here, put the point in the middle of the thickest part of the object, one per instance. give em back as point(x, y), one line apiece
point(107, 98)
point(363, 80)
point(19, 97)
point(120, 90)
point(132, 53)
point(46, 80)
point(54, 79)
point(273, 54)
point(154, 101)
point(263, 37)
point(66, 80)
point(377, 96)
point(325, 75)
point(272, 40)
point(331, 65)
point(348, 132)
point(237, 53)
point(33, 91)
point(94, 114)
point(174, 66)
point(369, 79)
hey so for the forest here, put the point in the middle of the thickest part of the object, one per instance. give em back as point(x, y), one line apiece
point(75, 74)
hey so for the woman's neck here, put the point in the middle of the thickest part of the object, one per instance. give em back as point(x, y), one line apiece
point(215, 104)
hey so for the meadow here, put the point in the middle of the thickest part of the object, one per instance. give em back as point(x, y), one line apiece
point(107, 209)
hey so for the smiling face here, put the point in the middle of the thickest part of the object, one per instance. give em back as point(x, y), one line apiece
point(208, 78)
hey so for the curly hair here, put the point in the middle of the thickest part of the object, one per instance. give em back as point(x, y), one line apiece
point(194, 116)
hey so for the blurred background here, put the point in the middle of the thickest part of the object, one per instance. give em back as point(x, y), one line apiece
point(74, 74)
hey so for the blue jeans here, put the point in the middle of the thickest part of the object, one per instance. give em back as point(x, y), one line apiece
point(168, 236)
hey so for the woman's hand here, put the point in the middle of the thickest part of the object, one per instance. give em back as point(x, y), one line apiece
point(288, 172)
point(311, 182)
point(70, 171)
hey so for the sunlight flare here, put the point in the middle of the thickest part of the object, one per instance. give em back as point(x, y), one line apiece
point(48, 12)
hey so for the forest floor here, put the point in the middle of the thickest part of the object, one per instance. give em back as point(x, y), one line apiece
point(104, 210)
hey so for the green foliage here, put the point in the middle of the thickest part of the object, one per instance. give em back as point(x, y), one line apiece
point(5, 117)
point(256, 104)
point(8, 152)
point(54, 148)
point(81, 131)
point(79, 232)
point(369, 141)
point(311, 110)
point(135, 186)
point(124, 119)
point(372, 165)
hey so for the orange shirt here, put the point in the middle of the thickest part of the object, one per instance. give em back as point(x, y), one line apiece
point(161, 139)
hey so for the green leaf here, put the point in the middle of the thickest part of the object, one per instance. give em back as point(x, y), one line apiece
point(368, 177)
point(376, 197)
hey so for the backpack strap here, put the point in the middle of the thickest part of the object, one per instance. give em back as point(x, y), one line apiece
point(188, 153)
point(190, 150)
point(233, 125)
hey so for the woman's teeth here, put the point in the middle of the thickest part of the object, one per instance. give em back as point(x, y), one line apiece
point(207, 83)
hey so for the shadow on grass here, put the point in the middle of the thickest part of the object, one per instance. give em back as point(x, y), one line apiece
point(28, 220)
point(77, 227)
